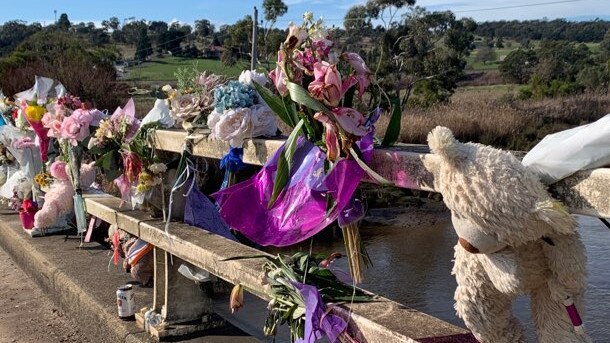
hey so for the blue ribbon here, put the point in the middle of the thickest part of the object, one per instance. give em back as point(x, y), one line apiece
point(233, 161)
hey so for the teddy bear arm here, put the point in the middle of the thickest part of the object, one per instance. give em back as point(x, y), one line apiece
point(567, 260)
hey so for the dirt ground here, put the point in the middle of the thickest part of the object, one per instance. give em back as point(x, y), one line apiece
point(26, 314)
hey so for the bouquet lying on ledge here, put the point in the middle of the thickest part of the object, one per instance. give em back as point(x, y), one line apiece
point(311, 180)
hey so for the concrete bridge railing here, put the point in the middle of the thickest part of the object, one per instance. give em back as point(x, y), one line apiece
point(408, 166)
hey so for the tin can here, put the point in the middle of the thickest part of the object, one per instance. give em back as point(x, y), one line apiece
point(126, 302)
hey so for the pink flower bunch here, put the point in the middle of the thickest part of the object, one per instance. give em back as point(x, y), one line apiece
point(125, 122)
point(120, 128)
point(306, 58)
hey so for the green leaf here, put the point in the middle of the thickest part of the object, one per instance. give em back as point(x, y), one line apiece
point(301, 96)
point(284, 164)
point(393, 131)
point(370, 172)
point(276, 104)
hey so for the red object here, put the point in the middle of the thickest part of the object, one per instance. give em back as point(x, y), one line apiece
point(115, 244)
point(26, 213)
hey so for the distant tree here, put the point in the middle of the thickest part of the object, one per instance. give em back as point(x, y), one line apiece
point(595, 78)
point(14, 32)
point(499, 42)
point(486, 54)
point(272, 9)
point(131, 31)
point(518, 65)
point(357, 22)
point(560, 60)
point(604, 46)
point(155, 30)
point(63, 23)
point(237, 44)
point(111, 23)
point(204, 28)
point(143, 48)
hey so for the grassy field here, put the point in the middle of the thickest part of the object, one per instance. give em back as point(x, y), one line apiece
point(163, 69)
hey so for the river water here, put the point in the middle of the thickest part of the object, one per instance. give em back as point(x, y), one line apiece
point(412, 251)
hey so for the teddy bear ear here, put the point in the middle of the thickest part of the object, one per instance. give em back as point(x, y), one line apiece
point(443, 143)
point(556, 215)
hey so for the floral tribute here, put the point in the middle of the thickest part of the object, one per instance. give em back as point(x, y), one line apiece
point(239, 113)
point(193, 98)
point(311, 181)
point(125, 156)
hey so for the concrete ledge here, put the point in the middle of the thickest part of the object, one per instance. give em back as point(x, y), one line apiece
point(381, 321)
point(407, 166)
point(78, 280)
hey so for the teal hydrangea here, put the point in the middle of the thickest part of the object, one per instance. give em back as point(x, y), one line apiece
point(233, 95)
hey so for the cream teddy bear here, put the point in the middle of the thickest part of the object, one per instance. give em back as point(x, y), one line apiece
point(514, 239)
point(59, 200)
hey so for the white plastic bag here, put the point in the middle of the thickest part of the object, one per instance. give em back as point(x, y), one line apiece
point(564, 153)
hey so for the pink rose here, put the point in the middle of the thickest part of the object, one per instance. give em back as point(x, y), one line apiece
point(73, 130)
point(330, 136)
point(327, 84)
point(351, 121)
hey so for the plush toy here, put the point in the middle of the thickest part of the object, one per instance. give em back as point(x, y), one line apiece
point(514, 239)
point(59, 200)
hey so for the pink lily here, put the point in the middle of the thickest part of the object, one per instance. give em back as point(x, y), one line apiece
point(327, 83)
point(330, 136)
point(351, 121)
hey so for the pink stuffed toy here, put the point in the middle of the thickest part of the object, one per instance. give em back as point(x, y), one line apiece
point(59, 200)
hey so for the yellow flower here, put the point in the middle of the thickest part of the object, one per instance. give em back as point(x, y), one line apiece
point(34, 112)
point(141, 188)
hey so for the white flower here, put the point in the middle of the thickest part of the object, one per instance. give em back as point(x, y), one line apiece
point(247, 77)
point(233, 126)
point(92, 143)
point(157, 168)
point(308, 16)
point(185, 106)
point(263, 121)
point(166, 88)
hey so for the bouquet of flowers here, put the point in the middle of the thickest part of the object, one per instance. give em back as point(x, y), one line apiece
point(125, 154)
point(310, 182)
point(302, 285)
point(194, 97)
point(8, 111)
point(239, 113)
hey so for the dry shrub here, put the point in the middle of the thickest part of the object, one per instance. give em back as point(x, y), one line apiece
point(491, 117)
point(98, 85)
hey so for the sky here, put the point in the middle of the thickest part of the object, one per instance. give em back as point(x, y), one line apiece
point(228, 11)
